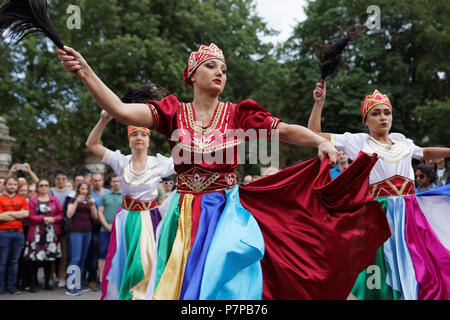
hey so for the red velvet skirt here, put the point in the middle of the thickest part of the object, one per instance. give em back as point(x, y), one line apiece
point(319, 233)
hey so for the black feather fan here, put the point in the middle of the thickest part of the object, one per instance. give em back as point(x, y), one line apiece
point(332, 58)
point(20, 18)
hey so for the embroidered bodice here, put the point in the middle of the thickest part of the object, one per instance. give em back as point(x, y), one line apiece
point(205, 158)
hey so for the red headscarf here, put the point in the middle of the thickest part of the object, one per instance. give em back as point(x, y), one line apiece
point(372, 100)
point(132, 130)
point(198, 57)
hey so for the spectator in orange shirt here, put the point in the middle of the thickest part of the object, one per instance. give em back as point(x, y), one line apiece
point(13, 208)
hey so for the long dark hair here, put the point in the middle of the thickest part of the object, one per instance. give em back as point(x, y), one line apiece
point(142, 94)
point(79, 186)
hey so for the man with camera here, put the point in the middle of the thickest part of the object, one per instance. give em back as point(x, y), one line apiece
point(19, 169)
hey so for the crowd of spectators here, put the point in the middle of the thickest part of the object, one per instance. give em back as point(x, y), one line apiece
point(57, 224)
point(66, 222)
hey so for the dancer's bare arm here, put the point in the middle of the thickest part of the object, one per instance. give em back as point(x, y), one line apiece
point(137, 114)
point(93, 141)
point(434, 153)
point(302, 136)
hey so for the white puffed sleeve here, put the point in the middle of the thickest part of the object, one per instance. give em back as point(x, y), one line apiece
point(416, 151)
point(350, 143)
point(165, 165)
point(116, 160)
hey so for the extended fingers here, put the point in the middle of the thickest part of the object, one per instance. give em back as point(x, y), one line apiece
point(65, 57)
point(71, 65)
point(72, 52)
point(59, 51)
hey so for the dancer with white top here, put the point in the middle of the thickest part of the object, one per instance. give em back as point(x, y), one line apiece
point(392, 175)
point(133, 243)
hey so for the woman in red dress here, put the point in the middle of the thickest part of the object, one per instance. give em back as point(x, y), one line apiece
point(285, 236)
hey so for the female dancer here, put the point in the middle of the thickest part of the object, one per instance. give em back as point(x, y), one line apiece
point(129, 261)
point(392, 175)
point(215, 234)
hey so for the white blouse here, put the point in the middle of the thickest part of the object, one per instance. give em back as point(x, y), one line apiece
point(141, 185)
point(392, 159)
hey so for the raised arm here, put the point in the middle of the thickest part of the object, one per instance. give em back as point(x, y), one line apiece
point(137, 114)
point(93, 141)
point(33, 176)
point(27, 169)
point(314, 122)
point(93, 208)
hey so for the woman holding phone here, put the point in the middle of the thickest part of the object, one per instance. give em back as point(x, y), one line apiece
point(81, 210)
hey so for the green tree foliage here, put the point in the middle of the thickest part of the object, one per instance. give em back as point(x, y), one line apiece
point(127, 43)
point(407, 59)
point(132, 42)
point(436, 117)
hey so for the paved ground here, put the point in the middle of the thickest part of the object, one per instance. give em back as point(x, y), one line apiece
point(55, 294)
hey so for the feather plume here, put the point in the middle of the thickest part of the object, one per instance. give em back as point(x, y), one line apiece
point(332, 58)
point(21, 18)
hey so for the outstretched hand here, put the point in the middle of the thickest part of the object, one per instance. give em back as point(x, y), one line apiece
point(71, 60)
point(327, 148)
